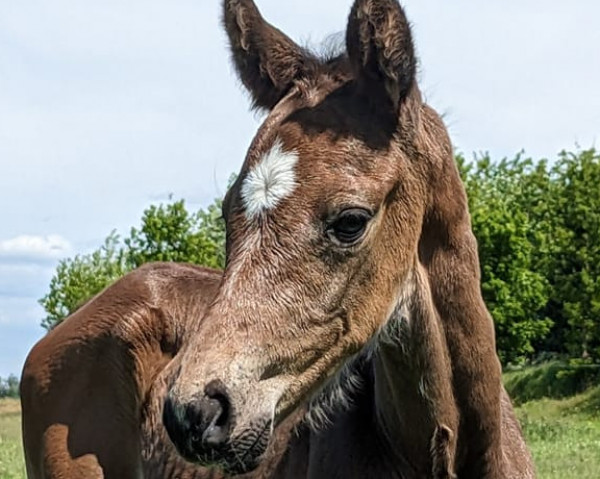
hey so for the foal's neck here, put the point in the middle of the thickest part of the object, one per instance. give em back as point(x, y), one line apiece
point(414, 404)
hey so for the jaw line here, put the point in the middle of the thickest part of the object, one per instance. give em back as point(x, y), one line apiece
point(337, 392)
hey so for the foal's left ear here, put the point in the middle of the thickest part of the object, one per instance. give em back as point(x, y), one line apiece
point(267, 61)
point(380, 47)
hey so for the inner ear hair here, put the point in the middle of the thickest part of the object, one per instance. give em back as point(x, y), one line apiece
point(380, 48)
point(267, 61)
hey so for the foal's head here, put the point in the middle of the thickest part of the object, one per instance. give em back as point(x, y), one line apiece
point(323, 227)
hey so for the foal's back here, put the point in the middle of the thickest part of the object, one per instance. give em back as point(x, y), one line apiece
point(86, 382)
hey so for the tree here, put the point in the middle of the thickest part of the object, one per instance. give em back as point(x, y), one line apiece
point(167, 233)
point(9, 387)
point(78, 279)
point(171, 233)
point(574, 262)
point(500, 201)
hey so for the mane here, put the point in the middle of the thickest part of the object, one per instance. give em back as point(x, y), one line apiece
point(339, 392)
point(331, 54)
point(331, 49)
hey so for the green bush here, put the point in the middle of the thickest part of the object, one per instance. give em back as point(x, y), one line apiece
point(556, 379)
point(538, 227)
point(168, 232)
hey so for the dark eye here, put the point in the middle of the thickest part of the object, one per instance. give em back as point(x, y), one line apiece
point(349, 226)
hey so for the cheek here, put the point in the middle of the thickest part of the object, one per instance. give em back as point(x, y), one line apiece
point(370, 293)
point(400, 230)
point(376, 285)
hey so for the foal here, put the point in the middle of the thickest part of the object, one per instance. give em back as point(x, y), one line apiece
point(350, 259)
point(351, 289)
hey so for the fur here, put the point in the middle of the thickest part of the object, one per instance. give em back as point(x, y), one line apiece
point(269, 181)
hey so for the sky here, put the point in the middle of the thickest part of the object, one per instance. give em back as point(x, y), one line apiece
point(108, 107)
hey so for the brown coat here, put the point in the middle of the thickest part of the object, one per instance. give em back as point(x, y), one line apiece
point(352, 286)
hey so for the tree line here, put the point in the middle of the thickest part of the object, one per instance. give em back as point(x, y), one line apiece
point(538, 229)
point(9, 387)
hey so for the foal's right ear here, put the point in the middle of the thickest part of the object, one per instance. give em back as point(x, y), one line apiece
point(267, 61)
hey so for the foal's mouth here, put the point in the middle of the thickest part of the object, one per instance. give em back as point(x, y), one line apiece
point(241, 455)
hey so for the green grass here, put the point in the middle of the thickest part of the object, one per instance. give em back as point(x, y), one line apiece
point(11, 450)
point(563, 434)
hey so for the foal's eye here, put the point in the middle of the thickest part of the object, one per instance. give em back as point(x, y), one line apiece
point(349, 226)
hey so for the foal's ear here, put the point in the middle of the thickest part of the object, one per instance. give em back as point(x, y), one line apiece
point(267, 61)
point(380, 47)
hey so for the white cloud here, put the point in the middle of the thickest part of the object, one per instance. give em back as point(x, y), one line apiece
point(35, 247)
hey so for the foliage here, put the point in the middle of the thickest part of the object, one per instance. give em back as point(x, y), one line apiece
point(554, 379)
point(168, 232)
point(171, 233)
point(9, 387)
point(537, 225)
point(574, 262)
point(514, 290)
point(78, 279)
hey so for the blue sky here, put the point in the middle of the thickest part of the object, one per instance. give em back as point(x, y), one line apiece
point(107, 107)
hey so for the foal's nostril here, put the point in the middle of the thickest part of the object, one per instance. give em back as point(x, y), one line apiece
point(217, 414)
point(200, 427)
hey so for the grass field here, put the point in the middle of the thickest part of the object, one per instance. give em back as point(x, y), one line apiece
point(11, 451)
point(564, 435)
